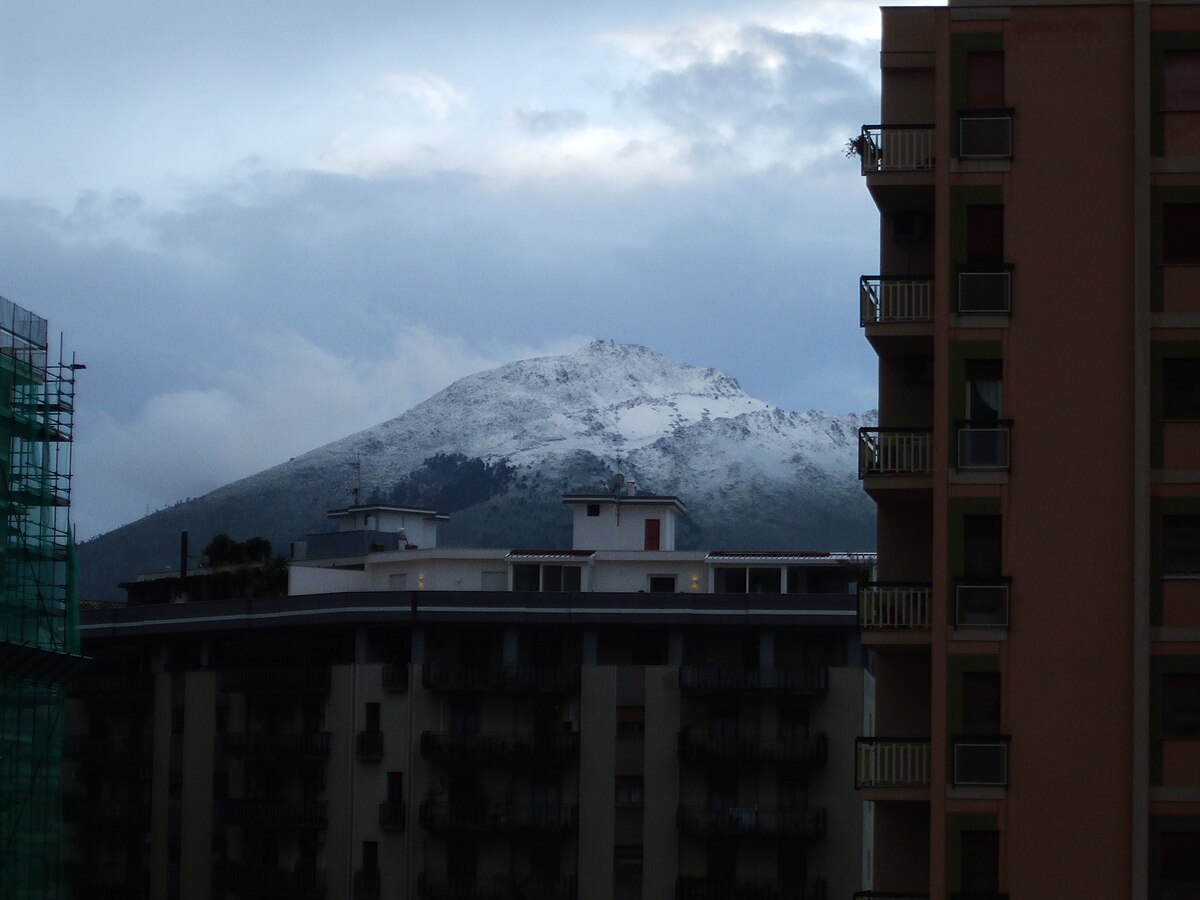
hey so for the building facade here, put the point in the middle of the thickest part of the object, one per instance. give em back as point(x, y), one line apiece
point(1037, 320)
point(39, 640)
point(418, 722)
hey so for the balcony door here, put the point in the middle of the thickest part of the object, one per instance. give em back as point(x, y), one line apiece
point(985, 388)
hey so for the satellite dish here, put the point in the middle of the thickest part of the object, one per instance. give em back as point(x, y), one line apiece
point(616, 483)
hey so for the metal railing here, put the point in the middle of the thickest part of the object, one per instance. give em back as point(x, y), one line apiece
point(895, 451)
point(896, 148)
point(277, 746)
point(812, 680)
point(980, 760)
point(369, 745)
point(746, 820)
point(498, 818)
point(985, 133)
point(893, 606)
point(984, 447)
point(701, 888)
point(393, 815)
point(552, 747)
point(431, 886)
point(895, 299)
point(891, 762)
point(980, 603)
point(443, 677)
point(810, 750)
point(985, 289)
point(270, 813)
point(275, 680)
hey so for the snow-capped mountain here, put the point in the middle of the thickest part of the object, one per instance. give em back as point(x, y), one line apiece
point(498, 448)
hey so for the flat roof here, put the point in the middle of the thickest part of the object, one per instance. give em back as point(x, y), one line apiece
point(378, 507)
point(637, 499)
point(806, 556)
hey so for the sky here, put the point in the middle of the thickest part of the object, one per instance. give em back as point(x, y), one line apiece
point(264, 226)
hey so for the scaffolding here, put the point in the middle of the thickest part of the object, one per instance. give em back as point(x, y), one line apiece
point(39, 628)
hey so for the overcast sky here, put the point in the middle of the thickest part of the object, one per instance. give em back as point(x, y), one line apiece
point(264, 226)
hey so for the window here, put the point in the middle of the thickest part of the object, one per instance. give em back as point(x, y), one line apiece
point(1180, 865)
point(1181, 705)
point(653, 536)
point(593, 510)
point(985, 381)
point(1181, 545)
point(526, 577)
point(985, 233)
point(395, 787)
point(764, 581)
point(980, 862)
point(729, 580)
point(985, 79)
point(1181, 81)
point(629, 792)
point(372, 717)
point(532, 577)
point(981, 703)
point(982, 547)
point(1181, 234)
point(662, 584)
point(1181, 389)
point(631, 720)
point(370, 856)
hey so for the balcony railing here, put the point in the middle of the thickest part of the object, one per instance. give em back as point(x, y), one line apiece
point(895, 451)
point(811, 750)
point(984, 447)
point(107, 749)
point(442, 677)
point(749, 820)
point(895, 300)
point(277, 746)
point(985, 133)
point(109, 813)
point(270, 813)
point(981, 603)
point(368, 884)
point(369, 745)
point(275, 680)
point(717, 679)
point(393, 815)
point(891, 762)
point(549, 748)
point(433, 886)
point(894, 606)
point(985, 289)
point(981, 760)
point(693, 888)
point(896, 148)
point(495, 818)
point(250, 879)
point(395, 677)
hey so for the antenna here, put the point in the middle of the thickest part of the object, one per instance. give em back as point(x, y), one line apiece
point(357, 478)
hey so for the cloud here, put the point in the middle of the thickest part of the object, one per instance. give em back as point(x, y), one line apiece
point(431, 91)
point(549, 121)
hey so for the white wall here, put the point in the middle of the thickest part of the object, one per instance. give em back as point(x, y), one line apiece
point(621, 526)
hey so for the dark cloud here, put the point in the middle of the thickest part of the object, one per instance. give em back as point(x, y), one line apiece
point(549, 121)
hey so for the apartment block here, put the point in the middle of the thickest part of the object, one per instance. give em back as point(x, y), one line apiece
point(1035, 625)
point(615, 720)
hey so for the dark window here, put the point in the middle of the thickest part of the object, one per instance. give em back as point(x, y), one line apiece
point(826, 580)
point(525, 577)
point(985, 233)
point(1181, 705)
point(593, 510)
point(722, 790)
point(629, 791)
point(982, 547)
point(653, 537)
point(464, 718)
point(981, 703)
point(764, 581)
point(395, 787)
point(980, 862)
point(631, 720)
point(1181, 80)
point(729, 580)
point(1180, 865)
point(560, 578)
point(1181, 234)
point(723, 720)
point(662, 584)
point(462, 856)
point(1181, 545)
point(372, 717)
point(985, 79)
point(370, 856)
point(1181, 389)
point(985, 382)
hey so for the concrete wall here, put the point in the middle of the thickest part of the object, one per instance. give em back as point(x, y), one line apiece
point(661, 779)
point(196, 820)
point(597, 733)
point(840, 715)
point(621, 526)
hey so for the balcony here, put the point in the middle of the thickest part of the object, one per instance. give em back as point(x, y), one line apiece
point(895, 300)
point(264, 882)
point(432, 886)
point(752, 820)
point(467, 679)
point(693, 888)
point(980, 603)
point(270, 813)
point(369, 746)
point(895, 148)
point(493, 818)
point(92, 748)
point(985, 134)
point(395, 677)
point(983, 448)
point(894, 606)
point(980, 760)
point(894, 451)
point(131, 814)
point(275, 680)
point(891, 762)
point(368, 885)
point(717, 679)
point(536, 749)
point(393, 815)
point(985, 290)
point(277, 746)
point(809, 751)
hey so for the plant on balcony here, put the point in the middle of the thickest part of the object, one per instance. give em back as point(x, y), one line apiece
point(859, 145)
